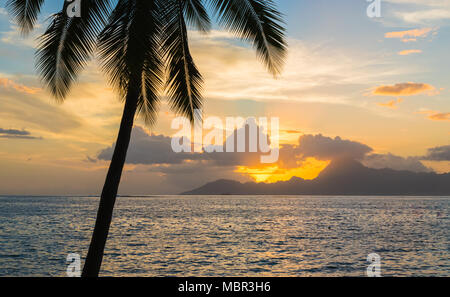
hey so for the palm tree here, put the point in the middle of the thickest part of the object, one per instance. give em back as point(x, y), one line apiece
point(143, 47)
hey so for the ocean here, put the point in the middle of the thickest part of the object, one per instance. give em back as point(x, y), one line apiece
point(230, 235)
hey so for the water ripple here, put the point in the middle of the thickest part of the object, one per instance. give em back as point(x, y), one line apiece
point(230, 236)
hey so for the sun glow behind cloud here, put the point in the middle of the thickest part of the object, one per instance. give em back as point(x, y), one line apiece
point(309, 169)
point(321, 91)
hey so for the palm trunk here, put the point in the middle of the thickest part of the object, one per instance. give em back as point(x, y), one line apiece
point(108, 198)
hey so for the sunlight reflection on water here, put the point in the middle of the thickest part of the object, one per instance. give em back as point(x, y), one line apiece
point(230, 236)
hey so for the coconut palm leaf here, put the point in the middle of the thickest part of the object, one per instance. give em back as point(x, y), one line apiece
point(258, 22)
point(142, 43)
point(184, 81)
point(196, 15)
point(129, 53)
point(25, 13)
point(68, 44)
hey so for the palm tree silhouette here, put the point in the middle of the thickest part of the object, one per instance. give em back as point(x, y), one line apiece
point(143, 47)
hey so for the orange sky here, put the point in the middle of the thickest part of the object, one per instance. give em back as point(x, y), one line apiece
point(385, 87)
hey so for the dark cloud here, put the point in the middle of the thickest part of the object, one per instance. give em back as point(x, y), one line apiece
point(149, 149)
point(289, 157)
point(241, 156)
point(326, 148)
point(16, 134)
point(440, 153)
point(380, 161)
point(90, 160)
point(156, 149)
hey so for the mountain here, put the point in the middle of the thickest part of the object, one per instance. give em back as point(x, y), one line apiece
point(341, 177)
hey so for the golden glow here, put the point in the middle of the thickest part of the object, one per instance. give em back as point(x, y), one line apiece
point(391, 104)
point(405, 89)
point(436, 115)
point(310, 169)
point(409, 33)
point(7, 83)
point(409, 52)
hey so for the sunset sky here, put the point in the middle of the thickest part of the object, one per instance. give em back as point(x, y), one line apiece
point(374, 89)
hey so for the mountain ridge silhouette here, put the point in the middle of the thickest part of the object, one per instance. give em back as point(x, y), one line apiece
point(341, 177)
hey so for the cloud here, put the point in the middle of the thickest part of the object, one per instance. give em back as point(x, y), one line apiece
point(156, 150)
point(405, 89)
point(34, 111)
point(418, 12)
point(153, 154)
point(409, 40)
point(10, 84)
point(408, 35)
point(291, 131)
point(436, 115)
point(151, 149)
point(327, 148)
point(148, 149)
point(380, 161)
point(424, 16)
point(16, 134)
point(391, 104)
point(311, 74)
point(409, 52)
point(90, 159)
point(14, 37)
point(440, 153)
point(440, 116)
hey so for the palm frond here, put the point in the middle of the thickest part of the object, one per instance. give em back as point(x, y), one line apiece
point(129, 53)
point(112, 46)
point(150, 87)
point(184, 81)
point(25, 13)
point(259, 22)
point(67, 45)
point(196, 15)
